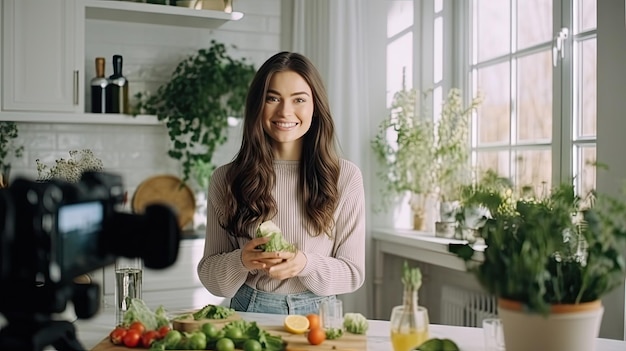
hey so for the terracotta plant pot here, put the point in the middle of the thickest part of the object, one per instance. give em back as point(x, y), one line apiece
point(567, 328)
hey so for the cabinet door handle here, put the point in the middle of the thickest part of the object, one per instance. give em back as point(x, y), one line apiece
point(76, 87)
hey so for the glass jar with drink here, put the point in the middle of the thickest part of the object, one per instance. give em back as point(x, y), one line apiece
point(409, 321)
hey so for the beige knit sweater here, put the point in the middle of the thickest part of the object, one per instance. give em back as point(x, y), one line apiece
point(334, 266)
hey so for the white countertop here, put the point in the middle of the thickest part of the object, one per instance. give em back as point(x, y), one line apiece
point(91, 332)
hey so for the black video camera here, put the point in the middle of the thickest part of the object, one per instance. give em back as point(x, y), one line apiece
point(53, 231)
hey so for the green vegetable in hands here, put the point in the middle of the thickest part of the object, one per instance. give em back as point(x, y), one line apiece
point(355, 323)
point(277, 241)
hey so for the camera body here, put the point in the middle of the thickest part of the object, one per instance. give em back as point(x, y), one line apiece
point(54, 231)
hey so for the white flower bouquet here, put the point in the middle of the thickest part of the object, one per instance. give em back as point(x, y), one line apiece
point(71, 169)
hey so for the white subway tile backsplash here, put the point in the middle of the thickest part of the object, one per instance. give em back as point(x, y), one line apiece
point(38, 140)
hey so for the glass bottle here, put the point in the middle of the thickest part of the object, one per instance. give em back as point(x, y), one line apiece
point(409, 321)
point(117, 90)
point(99, 85)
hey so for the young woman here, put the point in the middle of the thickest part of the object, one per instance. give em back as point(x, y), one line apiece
point(288, 171)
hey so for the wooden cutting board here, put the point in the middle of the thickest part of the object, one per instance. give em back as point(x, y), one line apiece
point(166, 189)
point(295, 342)
point(298, 342)
point(190, 325)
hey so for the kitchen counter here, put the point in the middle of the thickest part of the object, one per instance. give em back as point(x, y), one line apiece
point(91, 332)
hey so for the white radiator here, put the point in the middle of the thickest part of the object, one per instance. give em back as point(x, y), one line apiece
point(466, 308)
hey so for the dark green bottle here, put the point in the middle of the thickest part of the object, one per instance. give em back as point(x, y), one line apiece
point(117, 90)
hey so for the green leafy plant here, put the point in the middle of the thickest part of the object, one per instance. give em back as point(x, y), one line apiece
point(421, 155)
point(559, 248)
point(452, 167)
point(205, 89)
point(9, 133)
point(404, 145)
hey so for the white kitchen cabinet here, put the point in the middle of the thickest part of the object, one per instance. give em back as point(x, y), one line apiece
point(42, 54)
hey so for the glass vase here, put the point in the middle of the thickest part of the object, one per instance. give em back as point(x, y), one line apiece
point(409, 323)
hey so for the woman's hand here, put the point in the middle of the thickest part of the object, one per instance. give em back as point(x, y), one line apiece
point(288, 268)
point(253, 258)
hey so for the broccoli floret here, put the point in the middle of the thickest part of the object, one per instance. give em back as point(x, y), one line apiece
point(277, 241)
point(355, 323)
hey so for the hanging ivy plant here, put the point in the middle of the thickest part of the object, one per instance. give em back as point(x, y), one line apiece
point(8, 147)
point(205, 89)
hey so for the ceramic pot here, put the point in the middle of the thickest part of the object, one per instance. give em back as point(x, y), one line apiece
point(419, 222)
point(567, 328)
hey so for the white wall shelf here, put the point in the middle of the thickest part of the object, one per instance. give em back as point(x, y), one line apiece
point(157, 14)
point(79, 118)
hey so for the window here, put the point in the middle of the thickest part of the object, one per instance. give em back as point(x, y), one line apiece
point(535, 63)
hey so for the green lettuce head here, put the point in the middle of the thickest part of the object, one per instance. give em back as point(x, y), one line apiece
point(277, 241)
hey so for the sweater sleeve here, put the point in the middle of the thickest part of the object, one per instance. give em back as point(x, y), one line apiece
point(220, 270)
point(344, 271)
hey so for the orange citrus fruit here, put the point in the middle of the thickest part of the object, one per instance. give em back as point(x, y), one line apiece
point(316, 336)
point(296, 324)
point(314, 321)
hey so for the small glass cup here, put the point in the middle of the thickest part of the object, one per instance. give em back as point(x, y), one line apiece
point(128, 280)
point(331, 314)
point(409, 327)
point(494, 335)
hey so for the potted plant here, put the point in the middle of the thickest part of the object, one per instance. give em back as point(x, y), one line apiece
point(404, 146)
point(205, 89)
point(422, 156)
point(8, 149)
point(549, 260)
point(452, 169)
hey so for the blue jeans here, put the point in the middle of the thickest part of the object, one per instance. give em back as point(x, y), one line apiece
point(248, 299)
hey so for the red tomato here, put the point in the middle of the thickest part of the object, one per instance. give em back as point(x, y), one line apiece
point(137, 325)
point(163, 331)
point(132, 338)
point(149, 337)
point(117, 335)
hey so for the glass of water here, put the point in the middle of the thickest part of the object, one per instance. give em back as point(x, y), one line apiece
point(494, 336)
point(331, 314)
point(128, 277)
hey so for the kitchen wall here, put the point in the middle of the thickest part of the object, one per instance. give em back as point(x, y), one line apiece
point(150, 54)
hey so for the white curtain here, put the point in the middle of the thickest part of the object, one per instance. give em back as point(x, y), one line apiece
point(332, 34)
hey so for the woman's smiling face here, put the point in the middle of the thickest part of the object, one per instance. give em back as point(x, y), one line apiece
point(287, 112)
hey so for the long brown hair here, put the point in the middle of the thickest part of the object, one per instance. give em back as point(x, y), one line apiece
point(251, 175)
